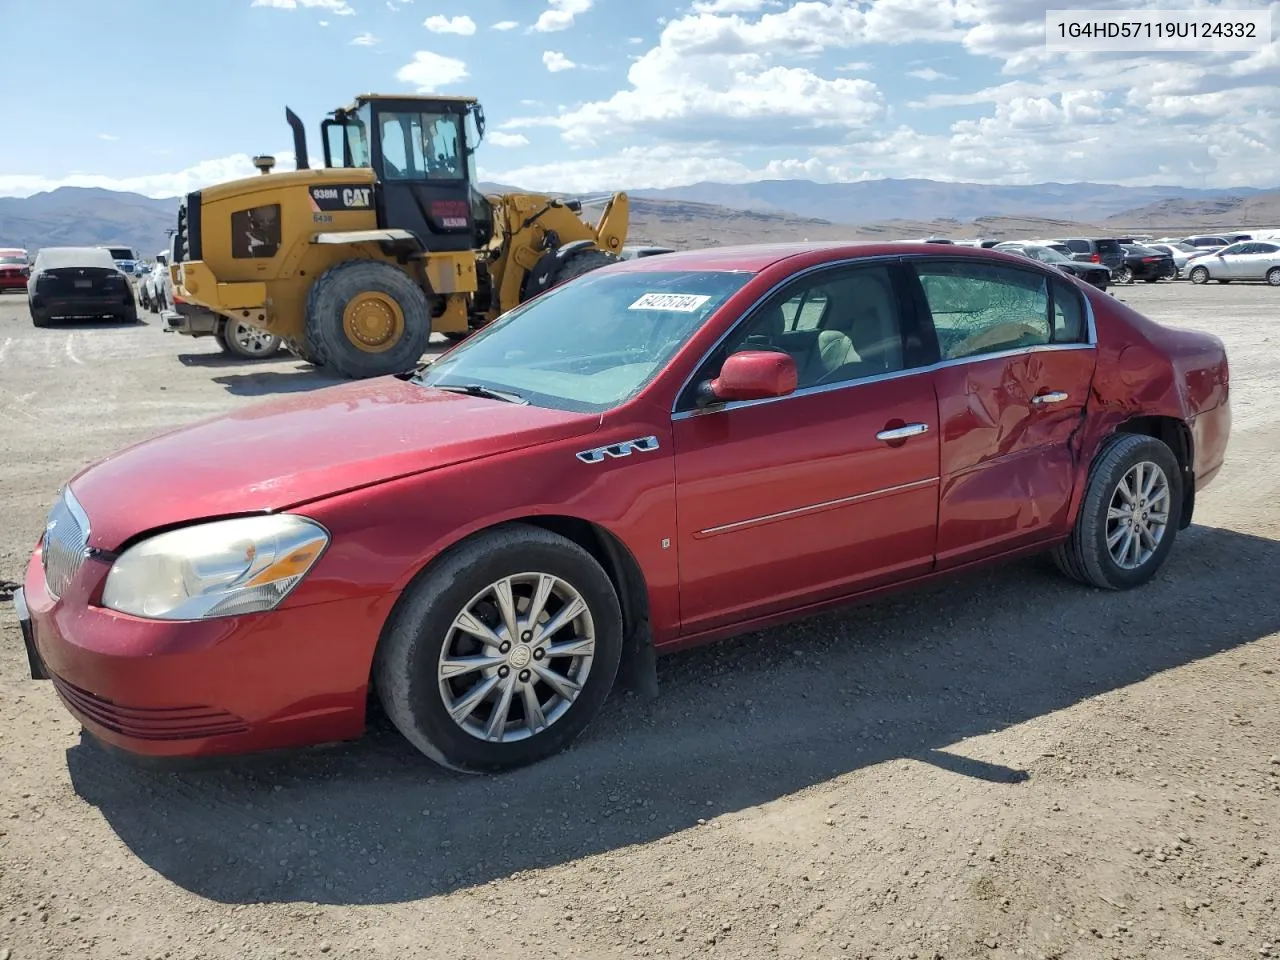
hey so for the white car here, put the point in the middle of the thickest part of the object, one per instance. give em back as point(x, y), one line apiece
point(1247, 260)
point(155, 288)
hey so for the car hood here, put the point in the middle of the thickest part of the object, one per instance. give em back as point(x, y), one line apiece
point(303, 447)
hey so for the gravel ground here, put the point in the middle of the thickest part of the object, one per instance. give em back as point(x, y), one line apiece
point(1004, 765)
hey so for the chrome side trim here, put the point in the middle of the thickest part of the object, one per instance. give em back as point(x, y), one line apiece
point(1090, 325)
point(623, 448)
point(817, 507)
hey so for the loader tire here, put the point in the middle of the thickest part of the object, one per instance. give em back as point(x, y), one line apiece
point(582, 261)
point(365, 318)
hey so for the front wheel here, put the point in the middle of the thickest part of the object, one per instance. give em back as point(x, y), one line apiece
point(366, 318)
point(503, 652)
point(1199, 275)
point(1129, 516)
point(1273, 276)
point(244, 340)
point(1125, 275)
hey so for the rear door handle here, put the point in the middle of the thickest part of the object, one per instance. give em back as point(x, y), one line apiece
point(1053, 396)
point(901, 433)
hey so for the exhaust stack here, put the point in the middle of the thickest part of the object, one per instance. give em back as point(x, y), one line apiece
point(299, 139)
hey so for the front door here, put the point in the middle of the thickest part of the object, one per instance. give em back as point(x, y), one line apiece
point(821, 493)
point(1017, 361)
point(423, 181)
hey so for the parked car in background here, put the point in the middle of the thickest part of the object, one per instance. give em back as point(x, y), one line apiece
point(1180, 251)
point(1139, 262)
point(126, 259)
point(1094, 274)
point(155, 289)
point(78, 282)
point(1250, 260)
point(1103, 250)
point(692, 466)
point(14, 269)
point(1207, 242)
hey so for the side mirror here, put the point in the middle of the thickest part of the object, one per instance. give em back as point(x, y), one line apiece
point(751, 375)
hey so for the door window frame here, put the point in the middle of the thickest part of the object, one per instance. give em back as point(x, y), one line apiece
point(915, 342)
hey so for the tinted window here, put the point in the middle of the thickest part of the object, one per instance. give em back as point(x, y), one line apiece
point(860, 334)
point(1070, 324)
point(1110, 247)
point(806, 309)
point(982, 308)
point(1078, 246)
point(1267, 248)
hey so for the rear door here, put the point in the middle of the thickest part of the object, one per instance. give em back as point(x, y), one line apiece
point(1017, 360)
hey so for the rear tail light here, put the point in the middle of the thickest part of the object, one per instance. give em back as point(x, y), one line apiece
point(1095, 258)
point(1150, 259)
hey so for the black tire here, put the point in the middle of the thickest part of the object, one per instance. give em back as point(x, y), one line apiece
point(580, 262)
point(405, 669)
point(39, 318)
point(233, 345)
point(299, 350)
point(1085, 556)
point(128, 316)
point(1273, 276)
point(326, 341)
point(1198, 275)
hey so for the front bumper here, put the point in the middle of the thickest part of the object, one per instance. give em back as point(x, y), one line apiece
point(17, 282)
point(288, 678)
point(196, 283)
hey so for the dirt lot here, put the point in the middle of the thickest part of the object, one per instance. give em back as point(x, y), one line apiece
point(1006, 765)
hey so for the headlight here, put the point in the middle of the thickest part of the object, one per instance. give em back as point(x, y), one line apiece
point(218, 569)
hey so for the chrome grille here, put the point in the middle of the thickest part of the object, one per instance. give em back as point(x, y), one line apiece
point(66, 539)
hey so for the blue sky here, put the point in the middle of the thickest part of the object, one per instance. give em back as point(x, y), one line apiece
point(161, 96)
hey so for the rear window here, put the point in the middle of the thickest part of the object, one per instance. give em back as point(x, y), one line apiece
point(1109, 246)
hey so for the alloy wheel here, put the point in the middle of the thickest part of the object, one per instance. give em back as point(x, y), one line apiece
point(1138, 515)
point(251, 339)
point(516, 657)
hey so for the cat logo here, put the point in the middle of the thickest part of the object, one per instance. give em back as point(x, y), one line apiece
point(616, 450)
point(356, 196)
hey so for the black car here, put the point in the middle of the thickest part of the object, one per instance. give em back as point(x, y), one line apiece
point(1092, 273)
point(78, 282)
point(1145, 263)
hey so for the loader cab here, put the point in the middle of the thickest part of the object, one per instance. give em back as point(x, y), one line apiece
point(422, 152)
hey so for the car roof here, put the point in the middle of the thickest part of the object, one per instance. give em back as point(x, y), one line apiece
point(755, 257)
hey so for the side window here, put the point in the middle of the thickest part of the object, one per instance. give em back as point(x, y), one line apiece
point(1069, 323)
point(255, 233)
point(1268, 248)
point(982, 308)
point(1078, 246)
point(839, 326)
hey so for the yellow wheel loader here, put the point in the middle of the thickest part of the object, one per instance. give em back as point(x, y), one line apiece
point(354, 265)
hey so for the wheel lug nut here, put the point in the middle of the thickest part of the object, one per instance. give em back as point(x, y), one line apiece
point(505, 647)
point(503, 672)
point(526, 636)
point(524, 676)
point(539, 654)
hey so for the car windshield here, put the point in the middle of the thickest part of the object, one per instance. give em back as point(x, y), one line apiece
point(121, 253)
point(590, 344)
point(7, 259)
point(1046, 254)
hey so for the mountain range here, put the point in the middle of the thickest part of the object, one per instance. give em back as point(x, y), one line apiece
point(707, 214)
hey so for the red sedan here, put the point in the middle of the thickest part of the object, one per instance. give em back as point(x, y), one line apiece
point(656, 454)
point(14, 269)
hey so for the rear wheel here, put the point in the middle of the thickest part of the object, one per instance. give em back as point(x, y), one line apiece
point(39, 318)
point(1273, 276)
point(240, 339)
point(366, 318)
point(1199, 275)
point(1129, 515)
point(1125, 275)
point(503, 653)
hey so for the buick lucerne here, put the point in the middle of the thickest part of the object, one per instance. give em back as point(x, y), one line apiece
point(659, 453)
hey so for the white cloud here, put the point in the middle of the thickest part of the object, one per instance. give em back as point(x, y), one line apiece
point(428, 72)
point(930, 74)
point(733, 6)
point(505, 25)
point(107, 136)
point(152, 185)
point(556, 62)
point(323, 23)
point(500, 139)
point(463, 26)
point(365, 40)
point(337, 7)
point(560, 14)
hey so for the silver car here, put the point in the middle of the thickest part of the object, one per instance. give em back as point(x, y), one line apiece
point(1247, 260)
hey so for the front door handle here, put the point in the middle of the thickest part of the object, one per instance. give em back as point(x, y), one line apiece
point(901, 433)
point(1053, 396)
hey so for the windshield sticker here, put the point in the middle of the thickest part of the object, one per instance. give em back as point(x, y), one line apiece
point(680, 302)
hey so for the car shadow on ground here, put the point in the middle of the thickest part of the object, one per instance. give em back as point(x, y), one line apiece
point(737, 724)
point(88, 323)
